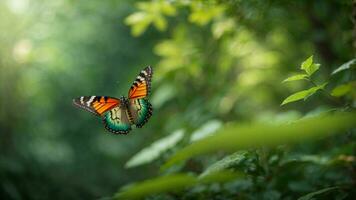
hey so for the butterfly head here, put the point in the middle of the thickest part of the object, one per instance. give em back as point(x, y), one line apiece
point(124, 100)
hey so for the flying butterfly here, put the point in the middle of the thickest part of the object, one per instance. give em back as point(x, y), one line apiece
point(119, 115)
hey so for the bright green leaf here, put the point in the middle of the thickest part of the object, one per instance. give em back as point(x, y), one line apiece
point(307, 63)
point(304, 94)
point(296, 77)
point(160, 23)
point(309, 67)
point(296, 96)
point(313, 68)
point(342, 90)
point(135, 18)
point(311, 196)
point(152, 152)
point(241, 136)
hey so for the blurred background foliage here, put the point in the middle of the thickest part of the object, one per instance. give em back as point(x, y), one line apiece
point(216, 64)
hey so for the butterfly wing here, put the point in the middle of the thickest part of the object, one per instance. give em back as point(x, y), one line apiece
point(142, 85)
point(117, 120)
point(141, 111)
point(96, 104)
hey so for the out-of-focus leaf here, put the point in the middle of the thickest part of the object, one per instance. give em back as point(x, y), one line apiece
point(163, 94)
point(237, 136)
point(220, 176)
point(139, 22)
point(225, 163)
point(316, 159)
point(150, 12)
point(157, 185)
point(345, 66)
point(311, 196)
point(342, 90)
point(296, 77)
point(203, 12)
point(221, 27)
point(206, 130)
point(152, 152)
point(174, 183)
point(160, 23)
point(304, 94)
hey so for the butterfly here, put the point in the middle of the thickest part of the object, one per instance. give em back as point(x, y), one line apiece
point(119, 115)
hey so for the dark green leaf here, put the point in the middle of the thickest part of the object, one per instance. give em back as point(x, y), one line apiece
point(225, 163)
point(311, 196)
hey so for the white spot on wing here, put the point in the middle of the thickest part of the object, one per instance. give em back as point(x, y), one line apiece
point(90, 100)
point(82, 100)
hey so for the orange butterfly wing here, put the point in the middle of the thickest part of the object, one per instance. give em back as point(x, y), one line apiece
point(142, 85)
point(96, 104)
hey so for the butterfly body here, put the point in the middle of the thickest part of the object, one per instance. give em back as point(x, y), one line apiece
point(119, 115)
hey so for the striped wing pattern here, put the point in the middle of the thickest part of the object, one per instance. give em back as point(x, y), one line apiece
point(141, 87)
point(96, 104)
point(119, 115)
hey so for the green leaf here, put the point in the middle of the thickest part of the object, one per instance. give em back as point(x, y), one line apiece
point(152, 152)
point(225, 163)
point(342, 90)
point(296, 77)
point(307, 63)
point(304, 94)
point(156, 186)
point(309, 67)
point(160, 22)
point(311, 196)
point(313, 68)
point(221, 177)
point(206, 130)
point(174, 183)
point(242, 136)
point(345, 66)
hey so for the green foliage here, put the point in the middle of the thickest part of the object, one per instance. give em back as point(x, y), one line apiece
point(218, 67)
point(309, 67)
point(236, 137)
point(303, 94)
point(349, 65)
point(162, 184)
point(342, 90)
point(296, 77)
point(150, 13)
point(152, 152)
point(311, 195)
point(173, 183)
point(227, 162)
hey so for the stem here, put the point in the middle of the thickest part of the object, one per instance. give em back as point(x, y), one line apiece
point(332, 98)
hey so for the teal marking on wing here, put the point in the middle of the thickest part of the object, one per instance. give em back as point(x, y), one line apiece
point(116, 121)
point(141, 111)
